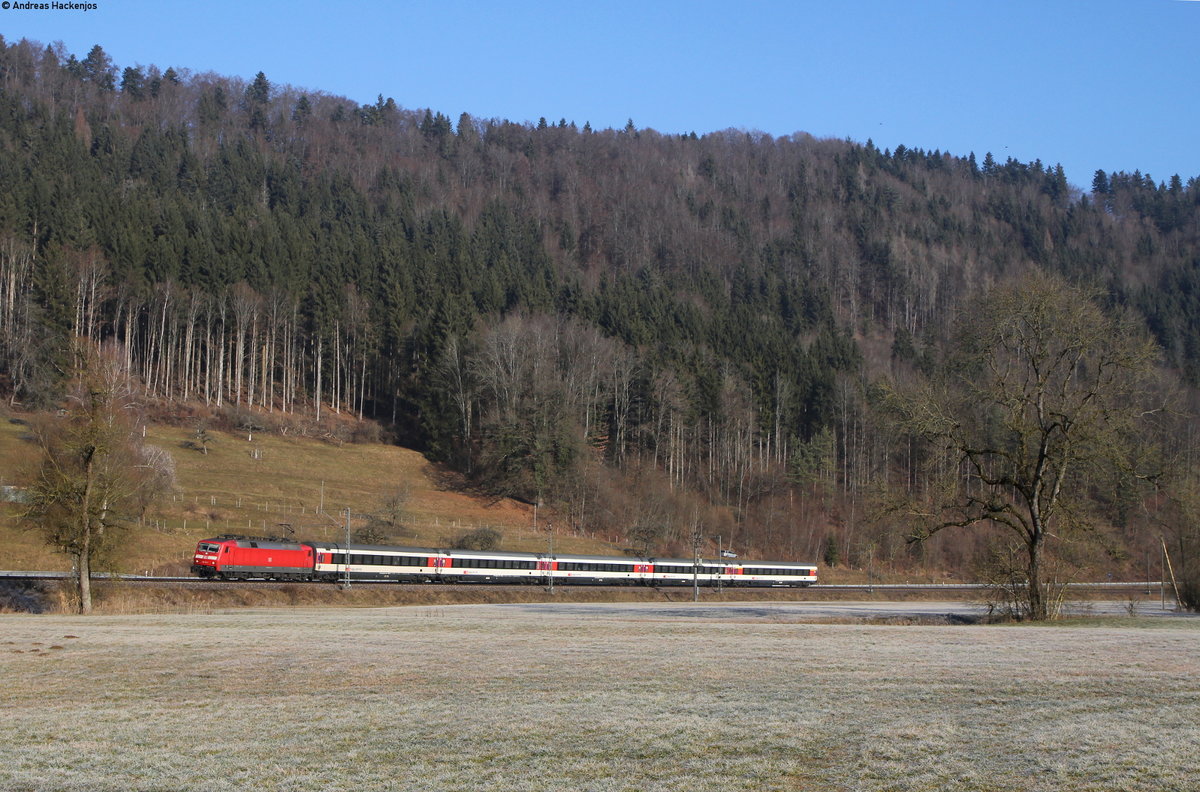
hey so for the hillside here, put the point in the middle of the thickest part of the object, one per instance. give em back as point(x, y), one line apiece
point(649, 334)
point(258, 484)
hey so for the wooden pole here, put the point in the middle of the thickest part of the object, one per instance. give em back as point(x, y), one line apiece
point(1171, 570)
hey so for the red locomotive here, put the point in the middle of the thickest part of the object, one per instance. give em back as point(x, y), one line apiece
point(245, 557)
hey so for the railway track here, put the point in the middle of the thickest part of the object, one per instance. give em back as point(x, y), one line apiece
point(895, 589)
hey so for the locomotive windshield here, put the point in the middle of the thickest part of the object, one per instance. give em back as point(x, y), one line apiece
point(206, 547)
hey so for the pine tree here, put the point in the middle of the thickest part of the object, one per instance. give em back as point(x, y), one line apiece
point(98, 68)
point(258, 97)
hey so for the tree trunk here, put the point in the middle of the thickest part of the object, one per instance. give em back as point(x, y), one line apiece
point(1038, 609)
point(83, 565)
point(317, 400)
point(83, 577)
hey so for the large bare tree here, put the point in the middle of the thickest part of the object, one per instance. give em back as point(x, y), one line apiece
point(94, 472)
point(1039, 405)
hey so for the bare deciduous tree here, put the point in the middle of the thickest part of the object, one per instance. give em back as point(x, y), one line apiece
point(387, 522)
point(94, 473)
point(1043, 397)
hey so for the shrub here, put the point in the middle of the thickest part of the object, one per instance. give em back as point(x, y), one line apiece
point(479, 539)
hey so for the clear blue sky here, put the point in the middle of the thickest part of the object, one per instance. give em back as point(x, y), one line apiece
point(1112, 84)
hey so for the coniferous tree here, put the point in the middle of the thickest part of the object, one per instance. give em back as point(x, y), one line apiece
point(98, 69)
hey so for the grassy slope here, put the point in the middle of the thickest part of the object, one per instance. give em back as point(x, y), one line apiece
point(253, 484)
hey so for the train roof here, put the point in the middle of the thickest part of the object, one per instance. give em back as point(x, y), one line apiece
point(504, 554)
point(783, 564)
point(265, 542)
point(514, 555)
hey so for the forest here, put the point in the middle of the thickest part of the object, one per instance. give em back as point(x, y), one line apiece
point(658, 336)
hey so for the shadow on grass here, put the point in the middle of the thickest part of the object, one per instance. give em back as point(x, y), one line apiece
point(951, 619)
point(27, 596)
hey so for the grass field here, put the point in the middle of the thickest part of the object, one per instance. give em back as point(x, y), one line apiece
point(475, 697)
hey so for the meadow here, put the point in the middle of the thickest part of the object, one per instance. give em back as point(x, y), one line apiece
point(571, 697)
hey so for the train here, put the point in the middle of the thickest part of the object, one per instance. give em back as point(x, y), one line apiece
point(235, 557)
